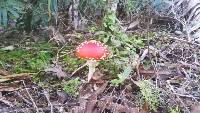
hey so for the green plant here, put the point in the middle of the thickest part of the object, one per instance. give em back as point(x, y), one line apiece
point(37, 13)
point(91, 7)
point(40, 61)
point(71, 86)
point(34, 14)
point(149, 93)
point(174, 110)
point(19, 61)
point(122, 46)
point(26, 14)
point(10, 11)
point(12, 59)
point(128, 5)
point(72, 63)
point(122, 76)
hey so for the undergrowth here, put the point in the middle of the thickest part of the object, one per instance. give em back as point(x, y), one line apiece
point(71, 86)
point(149, 94)
point(25, 60)
point(174, 110)
point(123, 47)
point(72, 63)
point(38, 57)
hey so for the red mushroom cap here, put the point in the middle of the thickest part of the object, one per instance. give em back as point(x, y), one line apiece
point(92, 50)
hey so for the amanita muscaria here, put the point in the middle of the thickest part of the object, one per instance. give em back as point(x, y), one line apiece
point(92, 51)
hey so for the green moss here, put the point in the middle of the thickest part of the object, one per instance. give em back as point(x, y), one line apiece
point(174, 110)
point(71, 86)
point(21, 60)
point(72, 63)
point(149, 93)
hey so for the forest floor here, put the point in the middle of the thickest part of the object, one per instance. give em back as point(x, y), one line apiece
point(36, 77)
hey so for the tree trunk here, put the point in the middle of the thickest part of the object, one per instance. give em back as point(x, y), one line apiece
point(112, 5)
point(73, 14)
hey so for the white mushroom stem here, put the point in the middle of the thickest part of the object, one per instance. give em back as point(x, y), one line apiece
point(92, 65)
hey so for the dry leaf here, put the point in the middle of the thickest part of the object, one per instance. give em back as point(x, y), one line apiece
point(8, 88)
point(133, 24)
point(97, 75)
point(57, 36)
point(149, 73)
point(145, 108)
point(5, 101)
point(92, 102)
point(125, 109)
point(62, 96)
point(57, 70)
point(195, 109)
point(4, 72)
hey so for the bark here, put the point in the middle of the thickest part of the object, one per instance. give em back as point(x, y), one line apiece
point(112, 5)
point(73, 14)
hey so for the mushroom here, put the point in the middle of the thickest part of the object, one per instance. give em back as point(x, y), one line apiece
point(93, 51)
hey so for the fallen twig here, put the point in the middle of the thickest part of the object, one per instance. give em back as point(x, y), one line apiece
point(46, 94)
point(78, 69)
point(14, 76)
point(3, 99)
point(34, 104)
